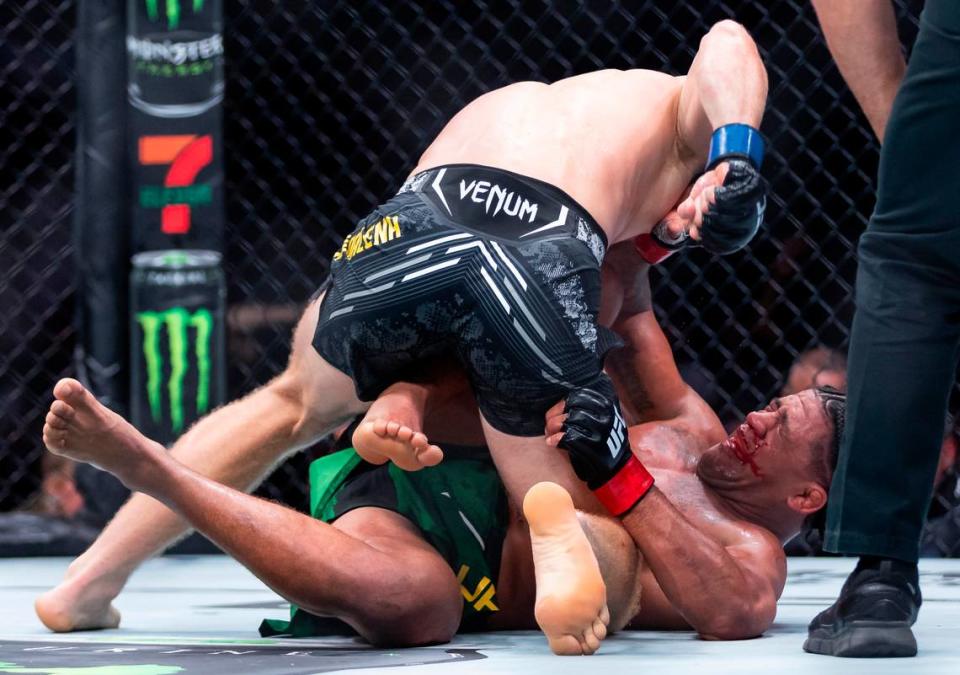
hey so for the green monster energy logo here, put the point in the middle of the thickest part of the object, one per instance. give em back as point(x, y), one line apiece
point(173, 11)
point(177, 321)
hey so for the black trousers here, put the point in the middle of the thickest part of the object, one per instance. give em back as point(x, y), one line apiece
point(906, 330)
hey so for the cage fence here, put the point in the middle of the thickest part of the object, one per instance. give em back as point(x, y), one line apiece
point(328, 106)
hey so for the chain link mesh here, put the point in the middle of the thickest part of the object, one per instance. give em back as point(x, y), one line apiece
point(36, 185)
point(328, 106)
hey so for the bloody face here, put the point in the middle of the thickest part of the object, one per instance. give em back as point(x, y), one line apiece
point(771, 446)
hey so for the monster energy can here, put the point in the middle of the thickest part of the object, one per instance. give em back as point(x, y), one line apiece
point(178, 368)
point(175, 56)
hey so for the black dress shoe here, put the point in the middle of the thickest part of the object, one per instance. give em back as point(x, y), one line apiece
point(872, 616)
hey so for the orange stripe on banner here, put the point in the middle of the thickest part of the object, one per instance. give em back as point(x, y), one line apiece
point(162, 149)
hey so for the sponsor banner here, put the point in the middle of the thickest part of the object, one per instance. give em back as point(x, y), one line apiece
point(178, 188)
point(178, 369)
point(175, 56)
point(175, 91)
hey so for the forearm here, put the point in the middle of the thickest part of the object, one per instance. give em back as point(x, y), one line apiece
point(644, 371)
point(726, 84)
point(862, 36)
point(706, 585)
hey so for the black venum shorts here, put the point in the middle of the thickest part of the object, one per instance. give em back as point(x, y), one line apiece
point(498, 271)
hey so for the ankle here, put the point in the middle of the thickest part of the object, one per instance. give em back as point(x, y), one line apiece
point(905, 568)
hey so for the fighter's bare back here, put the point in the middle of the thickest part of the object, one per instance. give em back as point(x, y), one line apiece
point(606, 138)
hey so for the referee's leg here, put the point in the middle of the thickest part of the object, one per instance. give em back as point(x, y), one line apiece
point(903, 355)
point(906, 331)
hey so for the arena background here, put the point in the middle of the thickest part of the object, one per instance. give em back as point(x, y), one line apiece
point(328, 105)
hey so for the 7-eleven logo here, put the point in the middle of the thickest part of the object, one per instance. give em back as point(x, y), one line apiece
point(186, 155)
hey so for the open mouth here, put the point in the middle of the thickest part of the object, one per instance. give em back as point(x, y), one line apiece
point(743, 449)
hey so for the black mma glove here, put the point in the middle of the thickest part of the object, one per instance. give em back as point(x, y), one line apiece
point(595, 436)
point(736, 215)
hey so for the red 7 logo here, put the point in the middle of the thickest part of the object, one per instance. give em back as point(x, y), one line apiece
point(186, 155)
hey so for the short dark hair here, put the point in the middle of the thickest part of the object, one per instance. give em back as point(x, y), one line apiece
point(834, 404)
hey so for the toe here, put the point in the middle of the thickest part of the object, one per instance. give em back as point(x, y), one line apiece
point(53, 439)
point(379, 427)
point(55, 422)
point(600, 629)
point(605, 615)
point(418, 440)
point(393, 428)
point(63, 410)
point(69, 390)
point(565, 645)
point(404, 434)
point(430, 456)
point(591, 642)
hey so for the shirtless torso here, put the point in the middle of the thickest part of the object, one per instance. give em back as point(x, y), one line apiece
point(610, 142)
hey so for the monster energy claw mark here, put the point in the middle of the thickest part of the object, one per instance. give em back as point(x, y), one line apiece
point(177, 321)
point(178, 330)
point(173, 11)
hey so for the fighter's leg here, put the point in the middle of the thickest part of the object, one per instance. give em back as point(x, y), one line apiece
point(571, 604)
point(237, 444)
point(371, 571)
point(403, 592)
point(571, 601)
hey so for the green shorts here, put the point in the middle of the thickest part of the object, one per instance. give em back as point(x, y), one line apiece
point(460, 507)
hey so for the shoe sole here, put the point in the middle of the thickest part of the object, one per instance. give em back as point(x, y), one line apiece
point(865, 639)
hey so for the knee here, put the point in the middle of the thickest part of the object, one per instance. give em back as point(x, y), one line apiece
point(413, 622)
point(417, 631)
point(292, 398)
point(417, 606)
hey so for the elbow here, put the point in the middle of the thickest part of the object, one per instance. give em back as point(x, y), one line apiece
point(739, 623)
point(729, 34)
point(730, 38)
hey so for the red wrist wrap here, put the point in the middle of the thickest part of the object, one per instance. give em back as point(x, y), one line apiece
point(652, 250)
point(626, 487)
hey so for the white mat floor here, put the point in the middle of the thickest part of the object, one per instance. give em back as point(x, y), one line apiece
point(200, 615)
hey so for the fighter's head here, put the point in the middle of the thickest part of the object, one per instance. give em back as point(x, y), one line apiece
point(776, 467)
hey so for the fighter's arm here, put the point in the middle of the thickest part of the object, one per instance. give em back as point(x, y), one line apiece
point(644, 370)
point(723, 590)
point(862, 36)
point(726, 84)
point(719, 107)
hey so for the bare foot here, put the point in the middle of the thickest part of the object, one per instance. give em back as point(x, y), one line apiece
point(571, 606)
point(78, 604)
point(78, 426)
point(390, 431)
